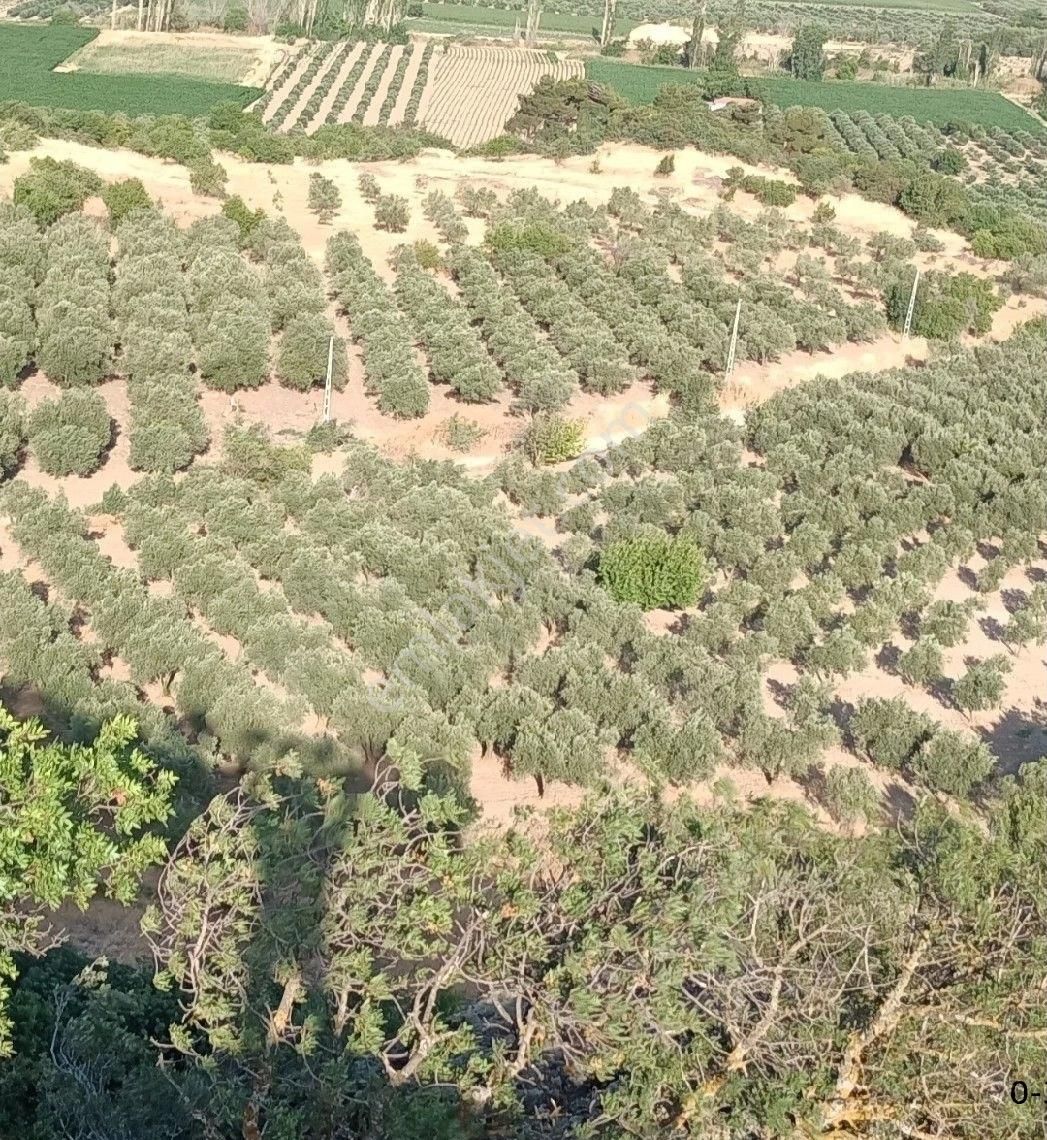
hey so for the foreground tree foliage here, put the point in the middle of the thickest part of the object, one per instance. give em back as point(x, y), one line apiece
point(75, 823)
point(392, 982)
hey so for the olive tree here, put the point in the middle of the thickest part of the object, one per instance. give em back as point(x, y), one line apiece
point(69, 435)
point(301, 362)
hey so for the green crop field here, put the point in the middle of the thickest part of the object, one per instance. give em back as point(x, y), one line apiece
point(465, 15)
point(640, 85)
point(28, 55)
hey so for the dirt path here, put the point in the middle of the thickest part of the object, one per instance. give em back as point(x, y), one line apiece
point(403, 96)
point(374, 109)
point(328, 100)
point(347, 112)
point(287, 86)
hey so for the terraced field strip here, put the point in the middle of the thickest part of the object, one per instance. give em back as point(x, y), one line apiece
point(289, 81)
point(476, 89)
point(403, 96)
point(328, 100)
point(349, 110)
point(374, 109)
point(331, 65)
point(429, 85)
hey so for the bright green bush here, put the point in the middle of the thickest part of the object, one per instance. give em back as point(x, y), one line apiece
point(51, 188)
point(237, 210)
point(121, 198)
point(553, 439)
point(656, 573)
point(69, 435)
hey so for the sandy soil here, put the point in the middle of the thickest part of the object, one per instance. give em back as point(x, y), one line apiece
point(331, 63)
point(695, 184)
point(347, 112)
point(289, 81)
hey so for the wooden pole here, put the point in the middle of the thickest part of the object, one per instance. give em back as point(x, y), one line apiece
point(912, 305)
point(732, 351)
point(327, 384)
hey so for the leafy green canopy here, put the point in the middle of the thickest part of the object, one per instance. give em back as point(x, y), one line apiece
point(660, 572)
point(393, 981)
point(74, 823)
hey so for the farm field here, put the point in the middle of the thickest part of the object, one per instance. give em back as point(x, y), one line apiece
point(640, 85)
point(28, 55)
point(371, 83)
point(464, 94)
point(214, 57)
point(476, 89)
point(543, 640)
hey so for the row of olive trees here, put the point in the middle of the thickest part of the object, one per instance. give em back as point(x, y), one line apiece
point(297, 309)
point(76, 336)
point(22, 262)
point(457, 354)
point(542, 380)
point(154, 635)
point(392, 372)
point(149, 303)
point(229, 318)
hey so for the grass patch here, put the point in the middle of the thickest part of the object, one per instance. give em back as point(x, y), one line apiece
point(209, 63)
point(466, 15)
point(28, 55)
point(640, 85)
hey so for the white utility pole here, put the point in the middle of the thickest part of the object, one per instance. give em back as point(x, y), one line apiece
point(912, 305)
point(327, 383)
point(734, 341)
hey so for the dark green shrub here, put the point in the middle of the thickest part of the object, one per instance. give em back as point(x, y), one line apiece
point(237, 210)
